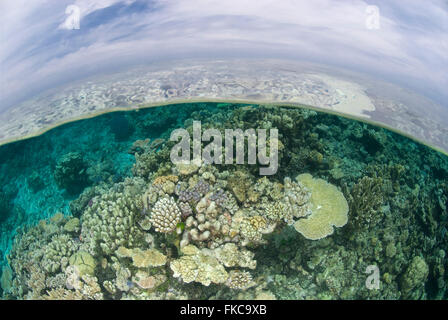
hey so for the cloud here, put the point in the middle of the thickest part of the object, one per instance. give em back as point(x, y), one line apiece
point(38, 51)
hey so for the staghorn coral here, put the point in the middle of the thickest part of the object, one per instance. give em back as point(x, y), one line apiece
point(328, 206)
point(365, 201)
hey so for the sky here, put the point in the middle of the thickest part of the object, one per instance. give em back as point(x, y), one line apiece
point(42, 47)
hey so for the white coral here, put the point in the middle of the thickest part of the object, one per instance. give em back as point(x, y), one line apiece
point(165, 215)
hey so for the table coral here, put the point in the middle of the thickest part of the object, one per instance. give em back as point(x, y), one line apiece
point(328, 209)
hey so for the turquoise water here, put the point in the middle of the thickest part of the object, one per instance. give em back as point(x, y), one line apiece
point(92, 210)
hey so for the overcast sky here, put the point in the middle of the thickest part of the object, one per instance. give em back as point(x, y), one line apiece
point(39, 49)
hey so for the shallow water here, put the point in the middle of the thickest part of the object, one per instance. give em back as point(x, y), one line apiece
point(395, 191)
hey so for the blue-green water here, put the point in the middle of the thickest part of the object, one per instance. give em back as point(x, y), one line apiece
point(396, 191)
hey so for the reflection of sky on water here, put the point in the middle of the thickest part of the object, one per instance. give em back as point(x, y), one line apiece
point(38, 52)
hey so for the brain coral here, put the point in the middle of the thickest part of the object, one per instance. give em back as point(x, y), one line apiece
point(328, 206)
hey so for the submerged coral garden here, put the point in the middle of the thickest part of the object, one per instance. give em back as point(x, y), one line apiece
point(123, 222)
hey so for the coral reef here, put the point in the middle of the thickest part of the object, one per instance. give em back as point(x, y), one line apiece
point(70, 172)
point(149, 229)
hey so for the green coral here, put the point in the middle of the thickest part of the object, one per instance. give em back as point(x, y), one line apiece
point(111, 220)
point(70, 172)
point(84, 263)
point(365, 203)
point(412, 281)
point(55, 253)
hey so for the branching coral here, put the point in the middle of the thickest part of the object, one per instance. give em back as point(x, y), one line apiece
point(110, 221)
point(365, 200)
point(56, 253)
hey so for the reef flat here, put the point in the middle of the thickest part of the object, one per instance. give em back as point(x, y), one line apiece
point(95, 209)
point(258, 81)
